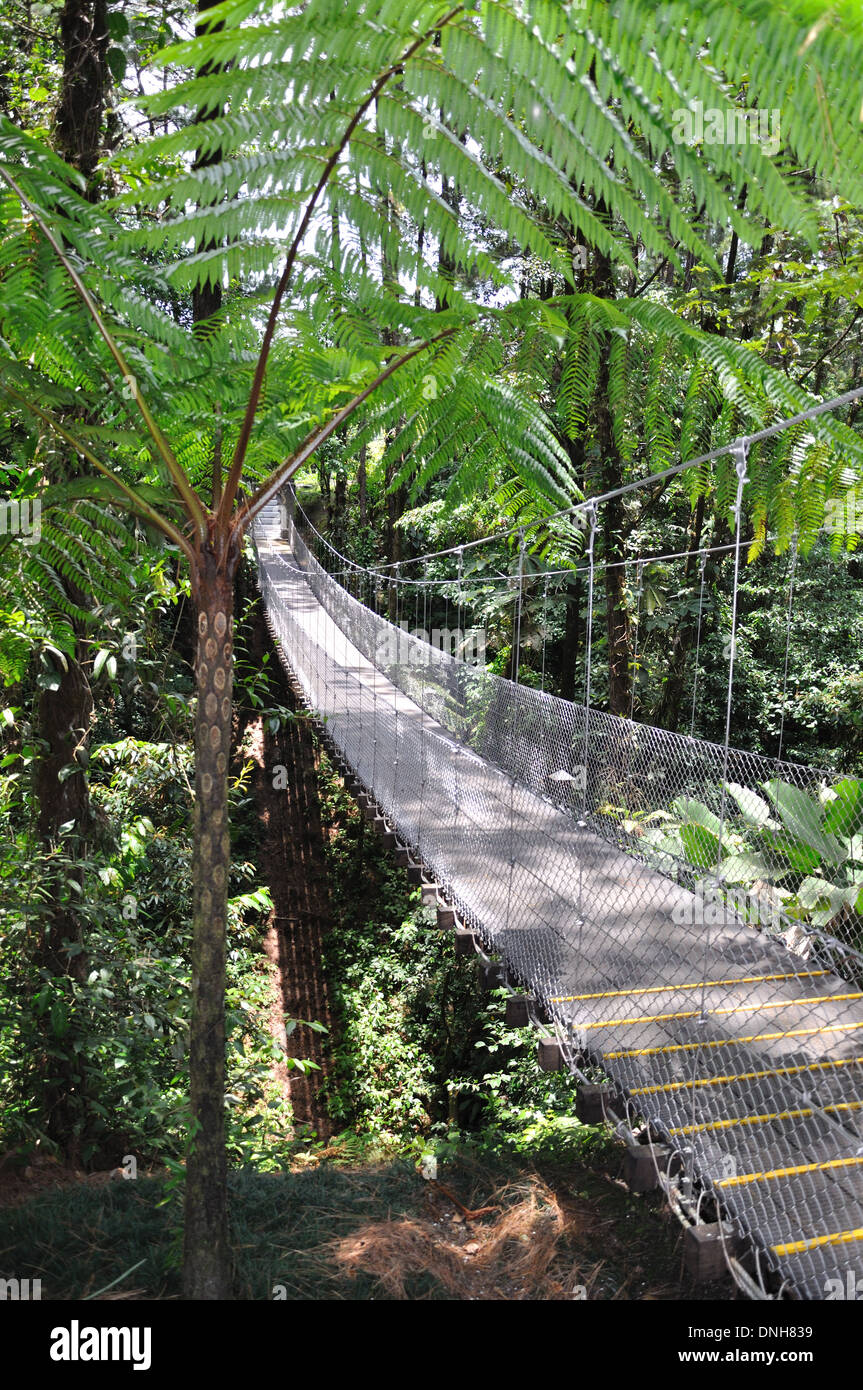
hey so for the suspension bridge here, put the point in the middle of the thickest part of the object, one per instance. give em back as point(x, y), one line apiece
point(715, 1023)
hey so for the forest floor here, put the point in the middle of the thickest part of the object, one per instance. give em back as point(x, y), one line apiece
point(493, 1228)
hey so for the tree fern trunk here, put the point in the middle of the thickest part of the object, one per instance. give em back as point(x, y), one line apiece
point(206, 1271)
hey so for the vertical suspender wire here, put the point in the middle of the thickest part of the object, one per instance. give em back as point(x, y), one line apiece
point(544, 714)
point(588, 655)
point(698, 644)
point(404, 656)
point(460, 669)
point(359, 720)
point(320, 676)
point(787, 645)
point(516, 657)
point(740, 457)
point(459, 594)
point(460, 676)
point(346, 676)
point(423, 769)
point(544, 633)
point(352, 685)
point(323, 650)
point(375, 682)
point(638, 591)
point(739, 453)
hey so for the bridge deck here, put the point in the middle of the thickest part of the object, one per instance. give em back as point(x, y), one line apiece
point(740, 1052)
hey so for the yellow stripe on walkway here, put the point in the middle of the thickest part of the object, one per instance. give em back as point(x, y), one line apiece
point(770, 1173)
point(742, 1076)
point(730, 1042)
point(766, 1119)
point(798, 1247)
point(697, 984)
point(731, 1009)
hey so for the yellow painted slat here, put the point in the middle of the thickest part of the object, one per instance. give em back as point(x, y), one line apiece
point(771, 1173)
point(697, 984)
point(799, 1247)
point(737, 1120)
point(742, 1076)
point(730, 1042)
point(730, 1009)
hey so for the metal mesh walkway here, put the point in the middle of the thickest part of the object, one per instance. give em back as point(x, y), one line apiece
point(736, 1034)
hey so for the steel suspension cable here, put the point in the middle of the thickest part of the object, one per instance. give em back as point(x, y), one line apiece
point(516, 657)
point(787, 644)
point(638, 582)
point(698, 644)
point(588, 657)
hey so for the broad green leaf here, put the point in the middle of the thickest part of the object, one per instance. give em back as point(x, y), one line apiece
point(780, 846)
point(747, 868)
point(844, 814)
point(116, 60)
point(702, 847)
point(59, 1018)
point(802, 815)
point(753, 808)
point(694, 811)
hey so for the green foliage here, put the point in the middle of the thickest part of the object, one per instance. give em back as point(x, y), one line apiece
point(116, 1031)
point(798, 852)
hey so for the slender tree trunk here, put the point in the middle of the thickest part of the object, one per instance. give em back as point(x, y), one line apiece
point(362, 485)
point(206, 294)
point(613, 526)
point(80, 110)
point(64, 725)
point(613, 520)
point(571, 640)
point(667, 714)
point(206, 1270)
point(64, 714)
point(338, 510)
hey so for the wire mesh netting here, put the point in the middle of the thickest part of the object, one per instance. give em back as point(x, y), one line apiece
point(686, 914)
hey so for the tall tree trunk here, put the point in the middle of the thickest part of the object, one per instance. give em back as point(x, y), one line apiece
point(616, 613)
point(396, 498)
point(206, 294)
point(667, 713)
point(80, 110)
point(64, 714)
point(571, 639)
point(206, 1268)
point(362, 486)
point(64, 725)
point(613, 520)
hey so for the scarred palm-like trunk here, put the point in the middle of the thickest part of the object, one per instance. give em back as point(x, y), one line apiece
point(207, 1262)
